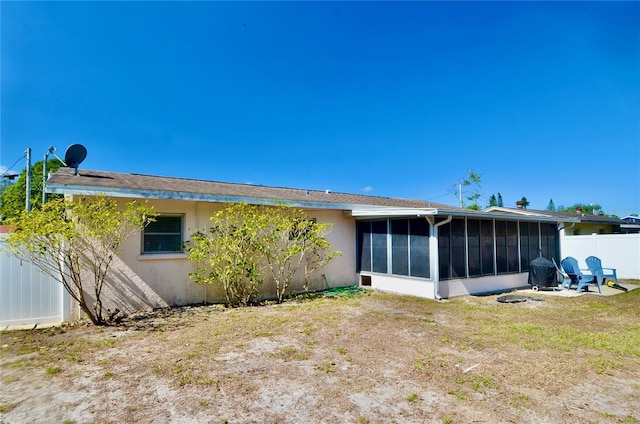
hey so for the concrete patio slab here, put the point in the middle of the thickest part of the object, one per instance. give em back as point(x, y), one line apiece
point(606, 291)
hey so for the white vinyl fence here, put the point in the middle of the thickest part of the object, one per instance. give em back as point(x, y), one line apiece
point(27, 295)
point(619, 251)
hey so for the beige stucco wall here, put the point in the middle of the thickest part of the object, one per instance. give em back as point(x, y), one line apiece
point(149, 281)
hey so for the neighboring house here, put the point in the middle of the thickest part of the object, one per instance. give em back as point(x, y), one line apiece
point(404, 246)
point(573, 223)
point(615, 241)
point(631, 224)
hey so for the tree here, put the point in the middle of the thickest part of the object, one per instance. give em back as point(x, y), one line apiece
point(496, 201)
point(472, 180)
point(551, 207)
point(65, 237)
point(12, 200)
point(227, 253)
point(289, 239)
point(247, 244)
point(525, 202)
point(6, 181)
point(586, 209)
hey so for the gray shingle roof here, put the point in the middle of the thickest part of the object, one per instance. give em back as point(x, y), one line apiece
point(561, 216)
point(585, 217)
point(147, 186)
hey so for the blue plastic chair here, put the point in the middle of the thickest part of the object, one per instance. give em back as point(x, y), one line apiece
point(566, 281)
point(595, 266)
point(570, 266)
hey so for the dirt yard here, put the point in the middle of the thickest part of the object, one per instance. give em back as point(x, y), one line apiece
point(362, 358)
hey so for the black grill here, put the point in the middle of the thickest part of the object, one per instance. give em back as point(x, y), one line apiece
point(542, 274)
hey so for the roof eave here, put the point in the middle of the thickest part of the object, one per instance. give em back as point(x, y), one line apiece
point(360, 211)
point(356, 211)
point(196, 197)
point(507, 216)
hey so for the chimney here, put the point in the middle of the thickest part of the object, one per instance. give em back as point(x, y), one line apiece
point(579, 211)
point(520, 204)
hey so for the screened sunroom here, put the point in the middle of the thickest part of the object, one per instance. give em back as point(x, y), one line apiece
point(443, 256)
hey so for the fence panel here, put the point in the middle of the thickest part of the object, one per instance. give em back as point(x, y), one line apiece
point(27, 295)
point(619, 251)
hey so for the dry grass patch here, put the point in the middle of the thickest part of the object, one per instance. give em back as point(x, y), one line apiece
point(367, 358)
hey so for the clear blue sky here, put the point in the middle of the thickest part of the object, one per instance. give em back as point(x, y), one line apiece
point(381, 98)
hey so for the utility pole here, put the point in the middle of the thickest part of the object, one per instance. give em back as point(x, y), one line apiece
point(44, 177)
point(27, 200)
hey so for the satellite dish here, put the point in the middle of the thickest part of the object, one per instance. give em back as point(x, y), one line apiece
point(74, 156)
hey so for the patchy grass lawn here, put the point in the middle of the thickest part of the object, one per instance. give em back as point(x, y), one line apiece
point(370, 358)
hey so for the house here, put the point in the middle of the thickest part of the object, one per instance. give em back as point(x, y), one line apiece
point(631, 224)
point(574, 224)
point(403, 246)
point(632, 218)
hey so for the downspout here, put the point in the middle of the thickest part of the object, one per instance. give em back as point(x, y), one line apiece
point(562, 226)
point(436, 271)
point(562, 230)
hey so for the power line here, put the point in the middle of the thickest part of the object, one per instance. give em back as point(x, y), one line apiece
point(14, 164)
point(441, 196)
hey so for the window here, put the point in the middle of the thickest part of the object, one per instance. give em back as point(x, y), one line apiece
point(502, 253)
point(300, 228)
point(473, 237)
point(480, 239)
point(529, 243)
point(363, 247)
point(164, 235)
point(549, 241)
point(372, 246)
point(444, 251)
point(452, 250)
point(398, 247)
point(379, 246)
point(466, 247)
point(534, 242)
point(458, 249)
point(486, 247)
point(507, 247)
point(510, 245)
point(419, 258)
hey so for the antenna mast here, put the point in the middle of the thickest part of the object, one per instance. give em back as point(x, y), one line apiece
point(44, 171)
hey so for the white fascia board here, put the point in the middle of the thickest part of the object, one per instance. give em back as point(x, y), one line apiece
point(537, 215)
point(515, 217)
point(495, 215)
point(390, 212)
point(512, 211)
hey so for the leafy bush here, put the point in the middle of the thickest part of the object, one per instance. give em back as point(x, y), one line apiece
point(246, 244)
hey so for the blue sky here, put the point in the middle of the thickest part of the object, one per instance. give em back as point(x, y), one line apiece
point(392, 99)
